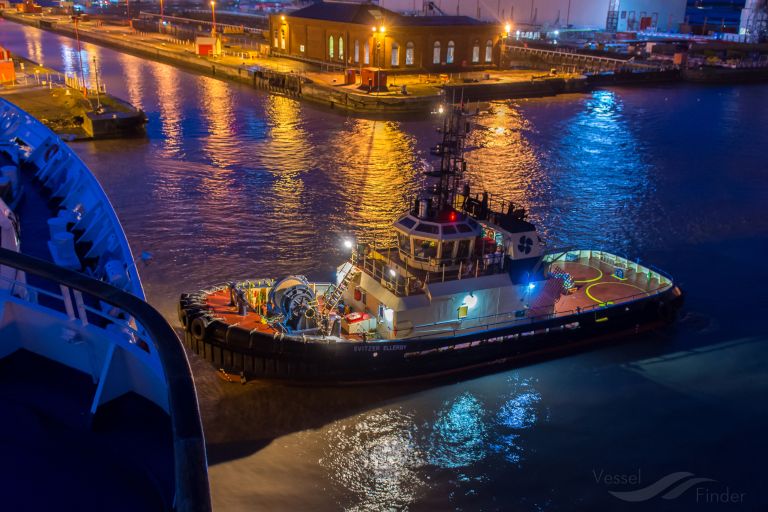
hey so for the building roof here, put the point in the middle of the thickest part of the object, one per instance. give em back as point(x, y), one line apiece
point(371, 14)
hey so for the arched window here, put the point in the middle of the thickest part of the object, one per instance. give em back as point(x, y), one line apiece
point(488, 51)
point(275, 38)
point(330, 47)
point(357, 51)
point(409, 54)
point(476, 52)
point(449, 53)
point(395, 54)
point(436, 53)
point(282, 39)
point(341, 49)
point(367, 53)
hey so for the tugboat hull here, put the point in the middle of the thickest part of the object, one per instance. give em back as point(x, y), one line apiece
point(258, 355)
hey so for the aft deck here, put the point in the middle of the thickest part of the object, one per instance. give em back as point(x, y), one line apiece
point(601, 279)
point(252, 320)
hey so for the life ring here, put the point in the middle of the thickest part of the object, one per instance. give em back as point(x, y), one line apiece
point(199, 327)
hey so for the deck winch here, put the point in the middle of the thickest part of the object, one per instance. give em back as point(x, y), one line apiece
point(293, 299)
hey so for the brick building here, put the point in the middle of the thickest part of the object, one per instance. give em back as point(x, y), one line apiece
point(363, 35)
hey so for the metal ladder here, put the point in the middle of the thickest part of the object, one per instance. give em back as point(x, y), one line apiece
point(333, 295)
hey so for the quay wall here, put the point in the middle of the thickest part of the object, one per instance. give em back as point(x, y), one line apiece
point(295, 85)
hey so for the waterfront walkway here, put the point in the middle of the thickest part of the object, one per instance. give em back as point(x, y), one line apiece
point(422, 92)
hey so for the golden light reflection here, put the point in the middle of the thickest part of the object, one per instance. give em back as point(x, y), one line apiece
point(287, 153)
point(167, 85)
point(378, 167)
point(500, 158)
point(34, 40)
point(134, 79)
point(218, 111)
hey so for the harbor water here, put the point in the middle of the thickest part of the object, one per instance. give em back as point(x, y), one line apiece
point(232, 183)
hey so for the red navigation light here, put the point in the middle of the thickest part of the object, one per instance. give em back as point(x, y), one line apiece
point(452, 216)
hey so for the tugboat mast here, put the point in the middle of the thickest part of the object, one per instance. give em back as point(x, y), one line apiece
point(452, 163)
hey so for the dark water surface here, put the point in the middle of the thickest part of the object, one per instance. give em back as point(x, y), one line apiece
point(233, 183)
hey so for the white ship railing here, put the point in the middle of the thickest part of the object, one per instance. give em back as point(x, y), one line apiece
point(61, 169)
point(118, 339)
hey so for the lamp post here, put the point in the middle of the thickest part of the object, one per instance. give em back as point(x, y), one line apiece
point(161, 16)
point(504, 36)
point(213, 18)
point(380, 30)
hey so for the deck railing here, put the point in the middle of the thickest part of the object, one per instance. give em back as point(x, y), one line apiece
point(615, 260)
point(509, 319)
point(125, 321)
point(411, 281)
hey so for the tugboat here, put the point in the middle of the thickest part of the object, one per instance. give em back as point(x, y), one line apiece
point(466, 283)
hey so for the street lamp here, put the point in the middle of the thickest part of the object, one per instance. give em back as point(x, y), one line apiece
point(504, 36)
point(161, 16)
point(213, 16)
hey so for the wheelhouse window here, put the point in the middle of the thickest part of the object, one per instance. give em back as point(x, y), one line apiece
point(449, 53)
point(330, 47)
point(488, 51)
point(409, 50)
point(436, 53)
point(424, 249)
point(357, 51)
point(476, 52)
point(447, 249)
point(395, 54)
point(463, 251)
point(404, 242)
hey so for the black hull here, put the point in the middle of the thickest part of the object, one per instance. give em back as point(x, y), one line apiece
point(258, 356)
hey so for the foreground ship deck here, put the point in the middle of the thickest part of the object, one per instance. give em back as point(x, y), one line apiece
point(95, 386)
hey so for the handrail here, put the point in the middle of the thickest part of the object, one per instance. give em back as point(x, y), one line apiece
point(29, 130)
point(191, 489)
point(529, 320)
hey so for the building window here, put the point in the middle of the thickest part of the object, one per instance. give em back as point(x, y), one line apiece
point(436, 53)
point(301, 48)
point(367, 53)
point(488, 50)
point(341, 49)
point(476, 52)
point(330, 47)
point(282, 39)
point(395, 54)
point(357, 51)
point(449, 53)
point(275, 39)
point(409, 54)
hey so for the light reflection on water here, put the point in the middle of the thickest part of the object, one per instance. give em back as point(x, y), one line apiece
point(460, 435)
point(232, 183)
point(376, 460)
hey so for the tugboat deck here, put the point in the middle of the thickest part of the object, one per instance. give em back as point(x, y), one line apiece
point(596, 284)
point(598, 281)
